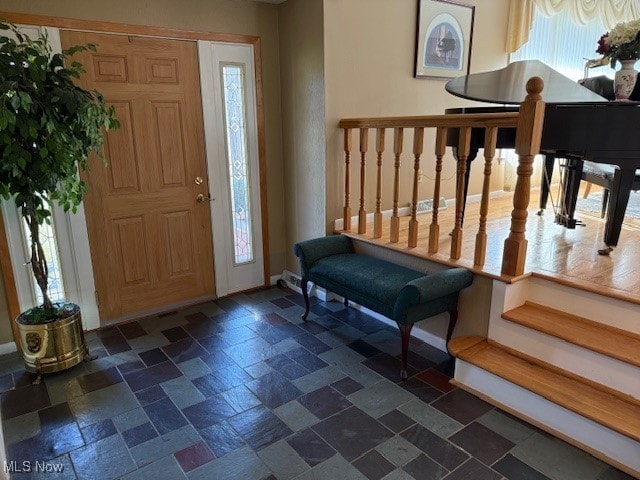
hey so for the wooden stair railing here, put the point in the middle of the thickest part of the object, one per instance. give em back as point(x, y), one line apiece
point(528, 123)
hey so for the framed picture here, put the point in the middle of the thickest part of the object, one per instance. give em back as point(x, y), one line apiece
point(443, 38)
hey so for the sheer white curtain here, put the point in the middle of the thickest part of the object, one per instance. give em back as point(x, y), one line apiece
point(584, 11)
point(562, 44)
point(609, 12)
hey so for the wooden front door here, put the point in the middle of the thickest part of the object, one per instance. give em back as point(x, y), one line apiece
point(150, 237)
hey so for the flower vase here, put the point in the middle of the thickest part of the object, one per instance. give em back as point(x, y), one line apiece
point(625, 80)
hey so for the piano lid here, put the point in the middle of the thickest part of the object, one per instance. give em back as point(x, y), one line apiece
point(507, 85)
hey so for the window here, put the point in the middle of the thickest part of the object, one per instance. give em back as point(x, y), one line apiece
point(48, 240)
point(236, 143)
point(563, 45)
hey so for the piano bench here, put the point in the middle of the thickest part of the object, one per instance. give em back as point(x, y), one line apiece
point(603, 175)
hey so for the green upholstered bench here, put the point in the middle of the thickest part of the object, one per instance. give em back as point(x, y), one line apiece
point(399, 293)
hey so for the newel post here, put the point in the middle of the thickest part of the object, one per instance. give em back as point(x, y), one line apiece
point(529, 133)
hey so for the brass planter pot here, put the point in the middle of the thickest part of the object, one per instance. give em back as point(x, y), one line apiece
point(54, 346)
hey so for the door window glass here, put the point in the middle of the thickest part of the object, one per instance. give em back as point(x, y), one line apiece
point(50, 247)
point(236, 148)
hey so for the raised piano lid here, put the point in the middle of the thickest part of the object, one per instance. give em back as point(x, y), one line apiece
point(507, 85)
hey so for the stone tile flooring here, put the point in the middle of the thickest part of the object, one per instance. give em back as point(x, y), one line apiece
point(242, 388)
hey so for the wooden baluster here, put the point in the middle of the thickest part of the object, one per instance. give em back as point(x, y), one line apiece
point(347, 180)
point(377, 217)
point(464, 146)
point(398, 135)
point(418, 140)
point(434, 228)
point(490, 138)
point(530, 121)
point(362, 213)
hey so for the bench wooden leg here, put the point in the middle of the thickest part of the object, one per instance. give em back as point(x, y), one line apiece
point(303, 286)
point(453, 319)
point(405, 334)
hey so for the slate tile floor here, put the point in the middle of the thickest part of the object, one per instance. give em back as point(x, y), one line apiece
point(241, 388)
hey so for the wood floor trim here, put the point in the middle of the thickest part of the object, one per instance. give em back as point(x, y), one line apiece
point(124, 28)
point(604, 339)
point(441, 257)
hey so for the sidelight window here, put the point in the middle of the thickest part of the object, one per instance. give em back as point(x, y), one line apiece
point(234, 100)
point(50, 247)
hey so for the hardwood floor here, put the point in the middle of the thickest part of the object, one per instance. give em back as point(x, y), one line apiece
point(568, 256)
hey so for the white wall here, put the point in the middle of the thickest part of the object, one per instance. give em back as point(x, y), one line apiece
point(303, 101)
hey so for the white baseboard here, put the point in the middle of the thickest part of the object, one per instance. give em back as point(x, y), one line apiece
point(292, 280)
point(338, 223)
point(8, 348)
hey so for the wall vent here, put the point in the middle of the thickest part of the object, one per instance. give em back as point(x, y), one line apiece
point(426, 206)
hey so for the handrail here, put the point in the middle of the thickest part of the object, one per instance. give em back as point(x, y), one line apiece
point(457, 120)
point(528, 122)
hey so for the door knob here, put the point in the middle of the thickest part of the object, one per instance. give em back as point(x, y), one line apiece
point(201, 198)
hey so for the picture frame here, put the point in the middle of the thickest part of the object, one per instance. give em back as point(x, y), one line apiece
point(444, 36)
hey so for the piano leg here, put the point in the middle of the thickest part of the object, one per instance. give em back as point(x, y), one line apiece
point(473, 153)
point(569, 197)
point(575, 188)
point(605, 202)
point(616, 208)
point(545, 182)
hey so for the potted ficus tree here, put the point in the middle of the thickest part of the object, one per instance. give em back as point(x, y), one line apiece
point(48, 128)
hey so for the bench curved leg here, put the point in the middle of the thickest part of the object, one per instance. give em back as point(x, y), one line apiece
point(405, 334)
point(303, 286)
point(453, 319)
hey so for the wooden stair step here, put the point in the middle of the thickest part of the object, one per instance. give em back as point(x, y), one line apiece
point(604, 339)
point(600, 406)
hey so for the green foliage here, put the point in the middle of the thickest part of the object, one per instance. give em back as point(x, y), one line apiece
point(48, 128)
point(41, 314)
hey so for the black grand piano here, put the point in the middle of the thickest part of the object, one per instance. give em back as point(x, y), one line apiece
point(578, 125)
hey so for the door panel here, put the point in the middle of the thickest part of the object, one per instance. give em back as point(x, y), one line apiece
point(150, 240)
point(177, 227)
point(228, 84)
point(121, 152)
point(109, 68)
point(131, 246)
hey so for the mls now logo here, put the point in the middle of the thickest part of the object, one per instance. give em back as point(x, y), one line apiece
point(27, 466)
